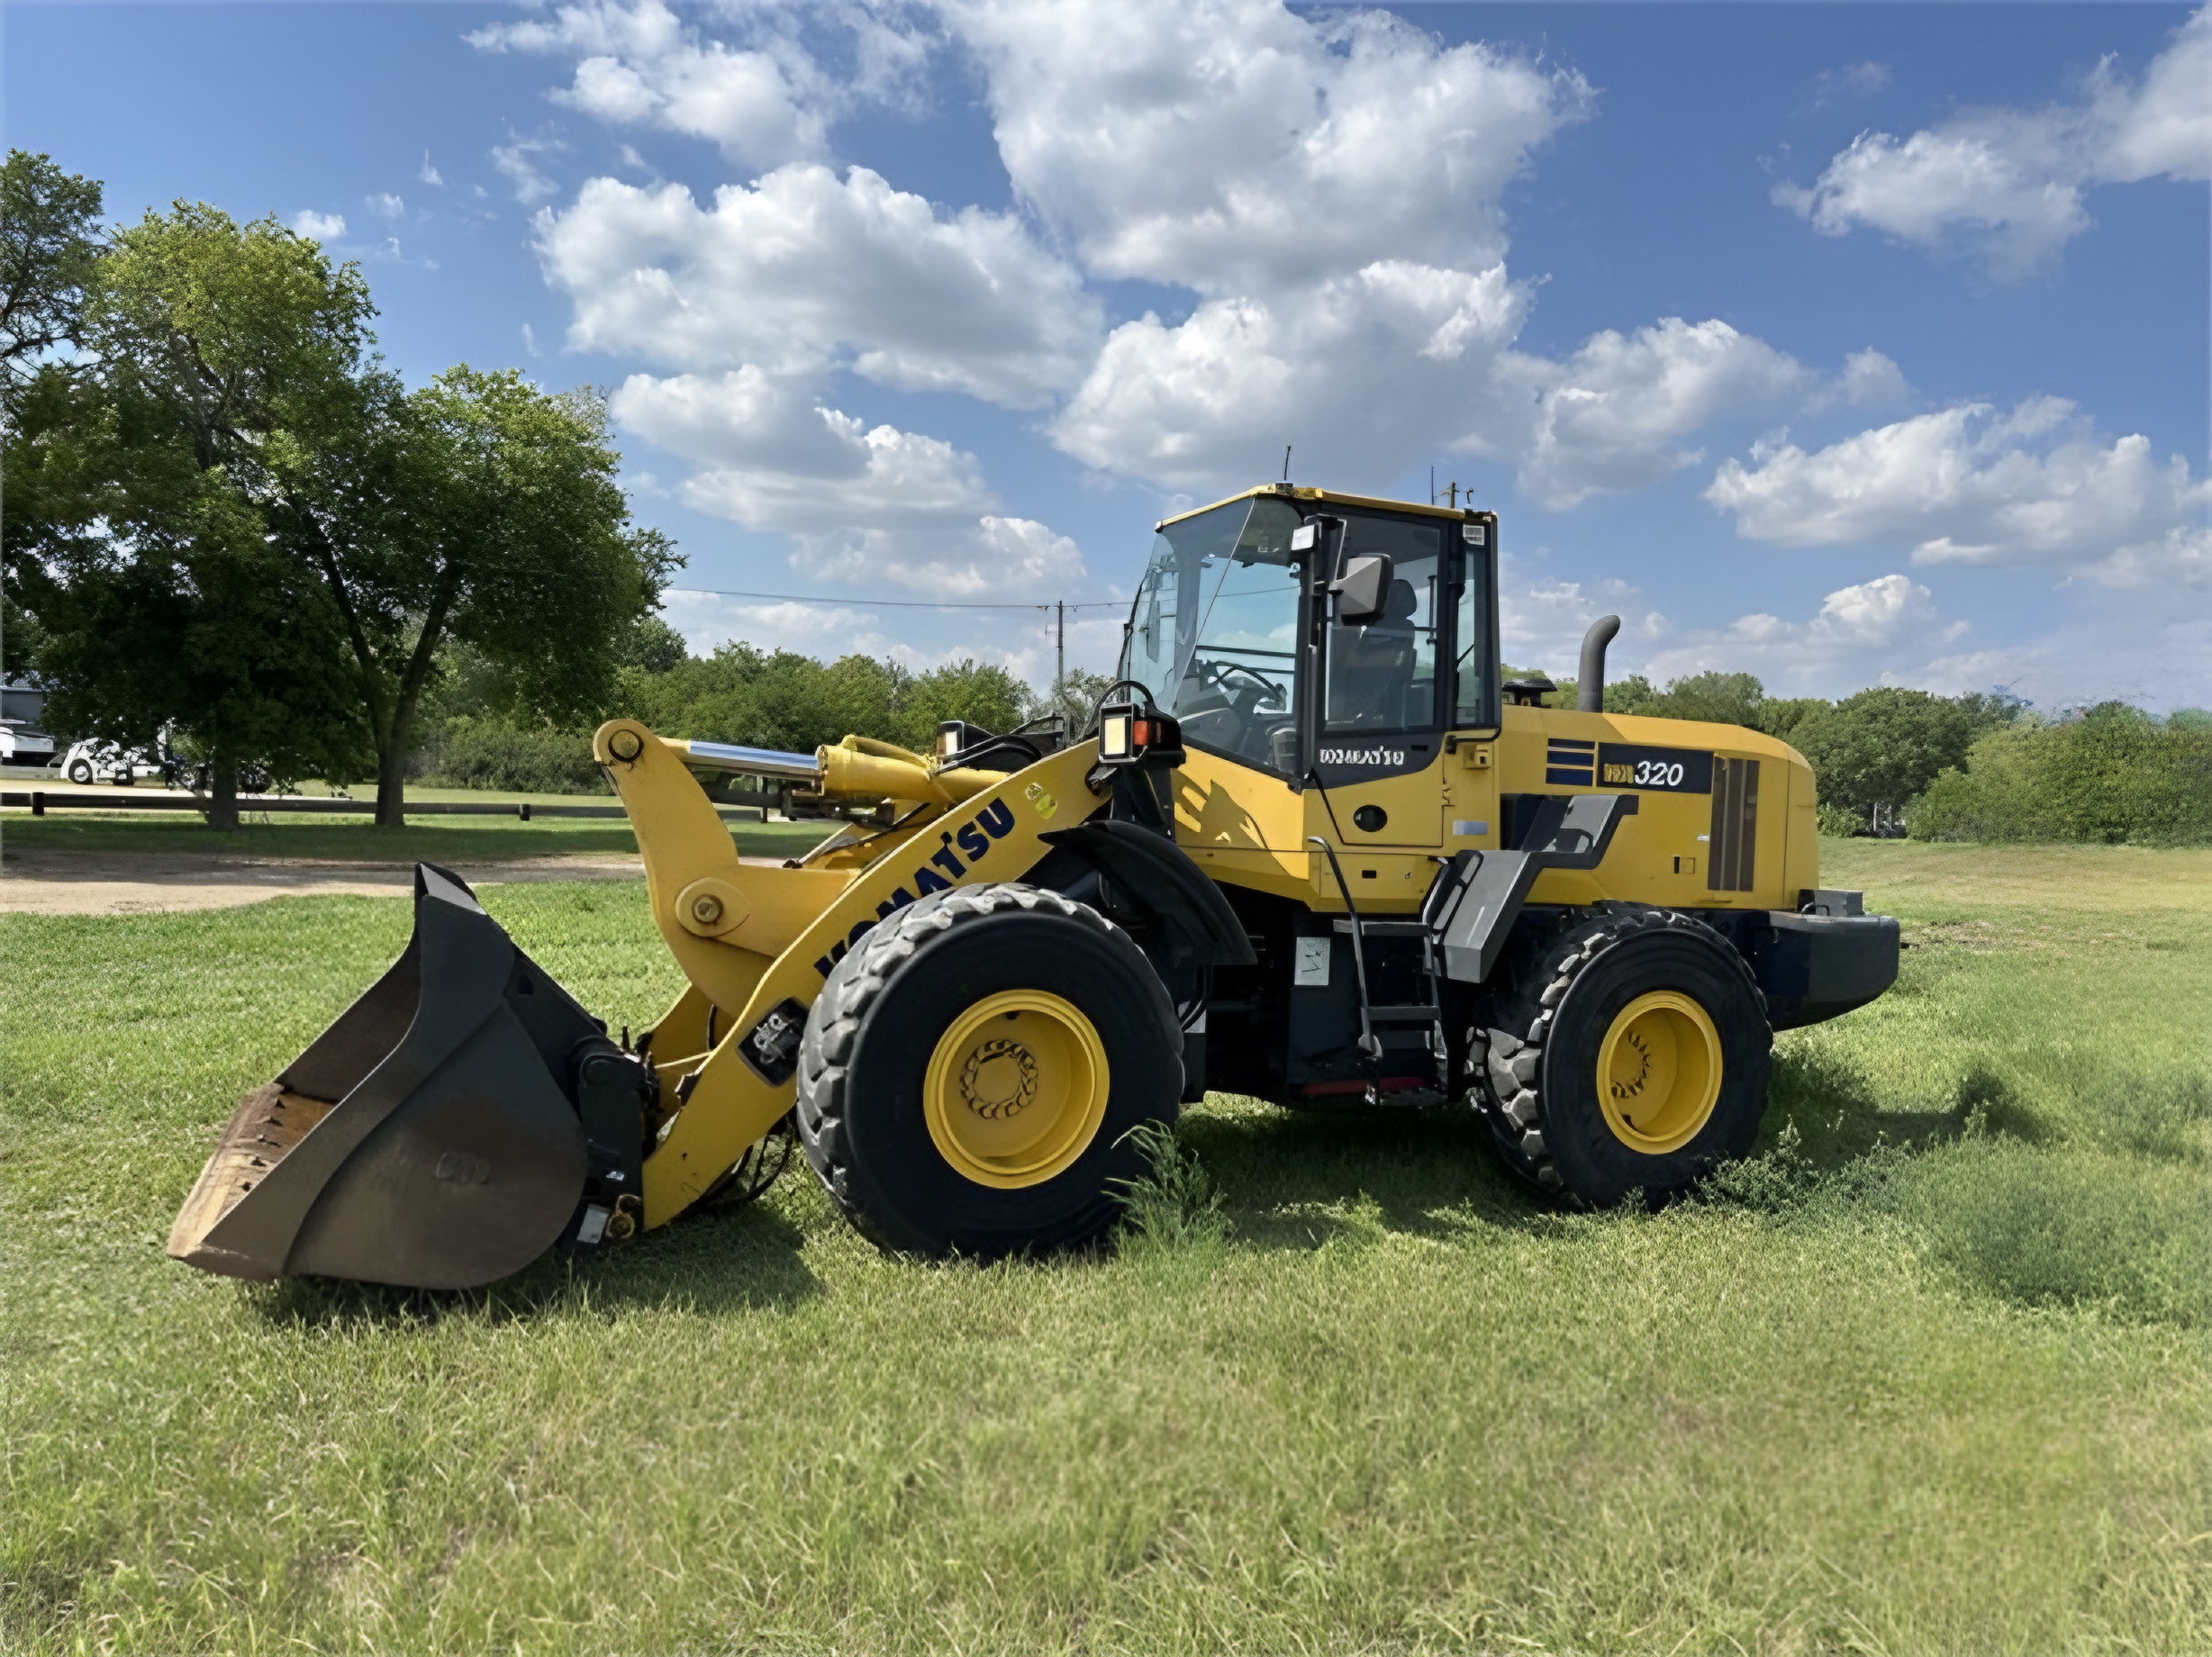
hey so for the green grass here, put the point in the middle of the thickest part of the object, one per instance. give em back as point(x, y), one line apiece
point(1934, 1373)
point(350, 839)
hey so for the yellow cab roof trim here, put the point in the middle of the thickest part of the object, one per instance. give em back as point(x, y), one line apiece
point(1292, 493)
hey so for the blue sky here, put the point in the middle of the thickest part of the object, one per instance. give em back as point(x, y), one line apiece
point(1838, 344)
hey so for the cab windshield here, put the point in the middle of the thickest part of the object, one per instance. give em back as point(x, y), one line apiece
point(1214, 635)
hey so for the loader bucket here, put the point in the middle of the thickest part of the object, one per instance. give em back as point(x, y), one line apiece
point(432, 1137)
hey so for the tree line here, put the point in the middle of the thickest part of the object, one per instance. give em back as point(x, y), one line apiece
point(1984, 765)
point(769, 698)
point(230, 527)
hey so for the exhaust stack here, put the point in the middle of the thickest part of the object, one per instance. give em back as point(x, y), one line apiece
point(1590, 684)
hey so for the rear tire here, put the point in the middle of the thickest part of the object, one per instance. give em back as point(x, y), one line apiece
point(973, 1068)
point(1630, 1054)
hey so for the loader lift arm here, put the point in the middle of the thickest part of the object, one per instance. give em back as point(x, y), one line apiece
point(756, 939)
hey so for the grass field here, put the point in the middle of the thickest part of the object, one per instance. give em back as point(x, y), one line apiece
point(1932, 1374)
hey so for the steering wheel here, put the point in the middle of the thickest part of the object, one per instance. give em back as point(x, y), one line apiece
point(1216, 676)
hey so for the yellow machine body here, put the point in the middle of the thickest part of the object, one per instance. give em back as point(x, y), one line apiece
point(1248, 828)
point(776, 928)
point(1345, 899)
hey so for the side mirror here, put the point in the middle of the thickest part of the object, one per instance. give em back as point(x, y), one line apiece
point(1361, 590)
point(1306, 537)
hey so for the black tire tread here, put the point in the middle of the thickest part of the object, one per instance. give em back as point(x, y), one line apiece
point(1505, 1060)
point(853, 986)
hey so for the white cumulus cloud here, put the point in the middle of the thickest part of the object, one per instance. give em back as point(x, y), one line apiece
point(386, 205)
point(862, 505)
point(2013, 182)
point(1877, 631)
point(1969, 485)
point(518, 164)
point(1325, 185)
point(766, 101)
point(1614, 414)
point(1235, 147)
point(804, 270)
point(319, 226)
point(1356, 368)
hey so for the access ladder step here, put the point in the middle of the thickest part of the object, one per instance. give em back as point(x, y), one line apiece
point(1404, 1015)
point(1385, 929)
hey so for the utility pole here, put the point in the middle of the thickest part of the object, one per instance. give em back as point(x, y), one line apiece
point(1060, 677)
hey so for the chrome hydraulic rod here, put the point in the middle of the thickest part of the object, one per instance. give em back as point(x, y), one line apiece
point(750, 762)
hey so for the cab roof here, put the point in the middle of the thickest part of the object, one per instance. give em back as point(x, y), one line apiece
point(1291, 491)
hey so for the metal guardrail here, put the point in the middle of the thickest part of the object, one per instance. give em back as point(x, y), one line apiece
point(41, 801)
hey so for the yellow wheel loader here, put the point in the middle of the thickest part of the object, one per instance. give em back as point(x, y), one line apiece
point(1309, 850)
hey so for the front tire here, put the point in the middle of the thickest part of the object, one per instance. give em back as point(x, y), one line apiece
point(974, 1066)
point(80, 773)
point(1631, 1054)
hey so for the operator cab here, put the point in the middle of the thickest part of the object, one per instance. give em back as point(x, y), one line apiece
point(1301, 632)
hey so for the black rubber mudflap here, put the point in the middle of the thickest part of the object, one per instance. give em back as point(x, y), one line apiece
point(430, 1137)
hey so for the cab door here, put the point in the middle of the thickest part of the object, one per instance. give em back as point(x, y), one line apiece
point(1471, 807)
point(1379, 748)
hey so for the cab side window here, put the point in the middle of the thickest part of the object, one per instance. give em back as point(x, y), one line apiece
point(1382, 675)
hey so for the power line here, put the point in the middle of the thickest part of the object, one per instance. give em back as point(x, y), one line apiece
point(898, 603)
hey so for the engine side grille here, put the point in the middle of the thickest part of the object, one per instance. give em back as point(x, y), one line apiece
point(1736, 825)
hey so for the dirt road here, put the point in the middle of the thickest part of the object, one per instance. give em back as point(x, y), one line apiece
point(43, 881)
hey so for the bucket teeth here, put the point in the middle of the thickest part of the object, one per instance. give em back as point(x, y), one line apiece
point(268, 1123)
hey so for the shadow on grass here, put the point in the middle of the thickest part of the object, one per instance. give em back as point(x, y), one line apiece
point(719, 1259)
point(1286, 1176)
point(1828, 1107)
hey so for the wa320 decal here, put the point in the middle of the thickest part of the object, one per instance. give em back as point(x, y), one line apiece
point(1666, 771)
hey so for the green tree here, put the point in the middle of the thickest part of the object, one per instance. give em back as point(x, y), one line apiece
point(651, 645)
point(137, 528)
point(479, 510)
point(1883, 747)
point(1073, 699)
point(981, 693)
point(48, 243)
point(235, 362)
point(2114, 774)
point(1719, 697)
point(204, 635)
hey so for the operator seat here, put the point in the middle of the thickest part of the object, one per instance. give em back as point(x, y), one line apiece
point(1371, 667)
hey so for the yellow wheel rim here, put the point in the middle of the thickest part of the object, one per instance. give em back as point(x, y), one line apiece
point(1659, 1071)
point(1016, 1090)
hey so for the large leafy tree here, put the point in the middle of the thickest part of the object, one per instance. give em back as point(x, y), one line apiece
point(141, 489)
point(480, 512)
point(787, 700)
point(1884, 745)
point(242, 491)
point(49, 242)
point(49, 237)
